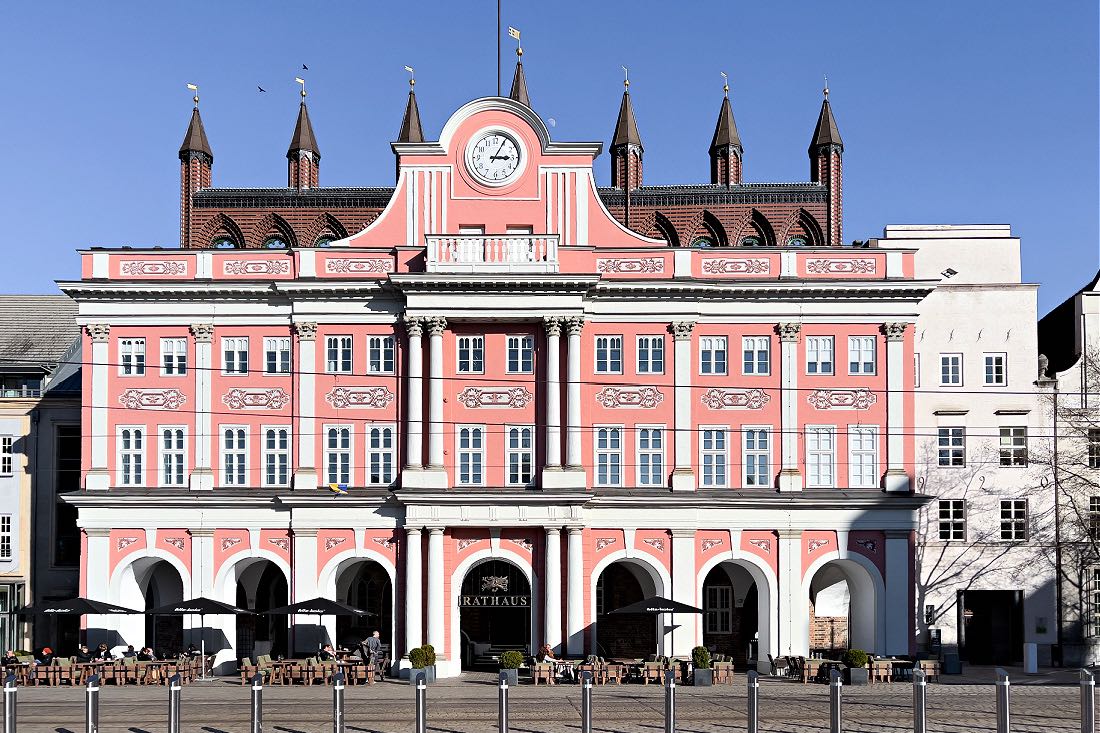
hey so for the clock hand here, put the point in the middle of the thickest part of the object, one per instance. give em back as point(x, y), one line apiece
point(494, 156)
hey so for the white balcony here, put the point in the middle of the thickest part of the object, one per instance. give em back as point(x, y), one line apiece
point(497, 253)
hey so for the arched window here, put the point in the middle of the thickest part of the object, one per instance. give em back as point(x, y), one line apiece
point(751, 242)
point(274, 243)
point(798, 241)
point(224, 243)
point(703, 242)
point(325, 240)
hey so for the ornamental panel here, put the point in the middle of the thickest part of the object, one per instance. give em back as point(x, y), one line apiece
point(842, 399)
point(638, 265)
point(499, 397)
point(847, 266)
point(360, 397)
point(737, 266)
point(735, 399)
point(256, 267)
point(256, 399)
point(155, 268)
point(358, 265)
point(641, 397)
point(152, 399)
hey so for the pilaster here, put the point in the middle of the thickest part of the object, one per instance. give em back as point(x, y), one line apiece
point(305, 474)
point(897, 479)
point(686, 632)
point(552, 617)
point(683, 475)
point(575, 591)
point(98, 477)
point(794, 617)
point(790, 478)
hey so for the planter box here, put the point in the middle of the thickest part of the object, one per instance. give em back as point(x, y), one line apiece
point(429, 674)
point(856, 676)
point(702, 677)
point(512, 675)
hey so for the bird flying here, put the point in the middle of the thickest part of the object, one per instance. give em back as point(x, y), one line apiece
point(260, 88)
point(305, 68)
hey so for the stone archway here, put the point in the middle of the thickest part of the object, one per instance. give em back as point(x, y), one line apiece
point(845, 608)
point(363, 583)
point(495, 612)
point(623, 636)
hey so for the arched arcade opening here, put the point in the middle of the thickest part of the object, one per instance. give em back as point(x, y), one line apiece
point(495, 613)
point(625, 636)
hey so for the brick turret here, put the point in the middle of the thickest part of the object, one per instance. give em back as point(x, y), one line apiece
point(826, 167)
point(725, 147)
point(303, 157)
point(196, 168)
point(626, 147)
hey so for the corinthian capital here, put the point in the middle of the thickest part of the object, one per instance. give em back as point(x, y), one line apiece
point(575, 324)
point(552, 325)
point(306, 330)
point(788, 331)
point(894, 331)
point(99, 332)
point(203, 332)
point(681, 330)
point(436, 325)
point(414, 325)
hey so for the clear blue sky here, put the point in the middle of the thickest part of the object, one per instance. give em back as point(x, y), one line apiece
point(979, 111)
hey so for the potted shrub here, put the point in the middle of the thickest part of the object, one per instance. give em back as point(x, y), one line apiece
point(703, 675)
point(856, 662)
point(418, 660)
point(510, 662)
point(429, 651)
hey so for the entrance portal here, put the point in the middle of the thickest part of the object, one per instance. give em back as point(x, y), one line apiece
point(494, 612)
point(628, 635)
point(731, 616)
point(992, 626)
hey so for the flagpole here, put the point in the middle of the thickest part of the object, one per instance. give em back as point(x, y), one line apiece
point(498, 48)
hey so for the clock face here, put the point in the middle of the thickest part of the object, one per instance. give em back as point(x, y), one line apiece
point(493, 158)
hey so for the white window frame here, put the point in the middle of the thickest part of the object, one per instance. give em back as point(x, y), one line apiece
point(473, 361)
point(6, 543)
point(820, 350)
point(381, 354)
point(131, 357)
point(649, 456)
point(858, 453)
point(865, 350)
point(718, 608)
point(123, 475)
point(1010, 452)
point(916, 370)
point(811, 432)
point(177, 453)
point(714, 355)
point(523, 346)
point(1015, 522)
point(7, 455)
point(267, 453)
point(517, 454)
point(1092, 437)
point(607, 461)
point(343, 361)
point(750, 447)
point(713, 459)
point(751, 350)
point(955, 437)
point(385, 456)
point(951, 365)
point(234, 359)
point(231, 477)
point(344, 456)
point(279, 347)
point(604, 353)
point(993, 355)
point(173, 356)
point(952, 520)
point(650, 354)
point(470, 458)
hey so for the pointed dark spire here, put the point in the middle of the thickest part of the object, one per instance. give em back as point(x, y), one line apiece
point(626, 129)
point(194, 141)
point(303, 139)
point(826, 132)
point(519, 82)
point(725, 132)
point(411, 131)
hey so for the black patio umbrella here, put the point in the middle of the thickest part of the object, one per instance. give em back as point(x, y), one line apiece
point(75, 607)
point(203, 607)
point(319, 606)
point(656, 606)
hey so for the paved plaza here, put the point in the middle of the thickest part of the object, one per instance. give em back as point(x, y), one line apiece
point(1047, 703)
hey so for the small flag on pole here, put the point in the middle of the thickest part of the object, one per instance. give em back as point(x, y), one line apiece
point(513, 32)
point(192, 87)
point(339, 489)
point(409, 69)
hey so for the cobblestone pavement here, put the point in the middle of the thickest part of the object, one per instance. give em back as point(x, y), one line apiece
point(469, 706)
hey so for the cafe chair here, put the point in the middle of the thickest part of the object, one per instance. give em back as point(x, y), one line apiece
point(931, 669)
point(542, 671)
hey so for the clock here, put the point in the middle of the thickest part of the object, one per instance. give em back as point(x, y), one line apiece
point(493, 158)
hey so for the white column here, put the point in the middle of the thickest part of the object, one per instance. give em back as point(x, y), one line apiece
point(436, 326)
point(552, 634)
point(573, 394)
point(99, 477)
point(414, 635)
point(897, 479)
point(305, 472)
point(683, 476)
point(414, 431)
point(553, 392)
point(899, 562)
point(305, 587)
point(202, 475)
point(435, 590)
point(790, 478)
point(575, 592)
point(97, 571)
point(794, 607)
point(686, 632)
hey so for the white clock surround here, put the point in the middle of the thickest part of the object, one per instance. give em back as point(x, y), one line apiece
point(509, 136)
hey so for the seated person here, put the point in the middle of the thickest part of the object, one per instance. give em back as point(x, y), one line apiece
point(192, 650)
point(146, 655)
point(103, 654)
point(546, 654)
point(129, 652)
point(10, 658)
point(327, 654)
point(82, 654)
point(47, 657)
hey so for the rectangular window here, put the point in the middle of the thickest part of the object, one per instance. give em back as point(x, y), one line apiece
point(609, 456)
point(953, 520)
point(755, 357)
point(173, 357)
point(951, 370)
point(714, 450)
point(718, 609)
point(471, 354)
point(651, 354)
point(381, 455)
point(131, 456)
point(131, 357)
point(338, 454)
point(234, 456)
point(471, 455)
point(1014, 446)
point(380, 354)
point(863, 457)
point(609, 354)
point(172, 451)
point(277, 355)
point(1094, 517)
point(5, 539)
point(819, 354)
point(338, 354)
point(521, 455)
point(1014, 519)
point(521, 354)
point(757, 456)
point(277, 456)
point(951, 447)
point(861, 354)
point(651, 456)
point(996, 370)
point(235, 355)
point(7, 456)
point(712, 355)
point(1094, 447)
point(820, 456)
point(1092, 601)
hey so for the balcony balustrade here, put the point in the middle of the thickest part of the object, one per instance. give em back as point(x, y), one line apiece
point(492, 253)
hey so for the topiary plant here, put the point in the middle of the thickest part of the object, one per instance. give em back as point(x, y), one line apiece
point(429, 650)
point(511, 660)
point(700, 657)
point(418, 658)
point(854, 658)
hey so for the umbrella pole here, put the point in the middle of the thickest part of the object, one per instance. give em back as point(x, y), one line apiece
point(202, 644)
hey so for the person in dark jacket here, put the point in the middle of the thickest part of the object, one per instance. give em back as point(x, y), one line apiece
point(146, 655)
point(327, 654)
point(82, 654)
point(47, 657)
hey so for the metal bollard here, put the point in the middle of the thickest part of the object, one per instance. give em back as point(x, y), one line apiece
point(1088, 702)
point(175, 690)
point(502, 703)
point(257, 725)
point(754, 700)
point(338, 703)
point(835, 684)
point(91, 705)
point(920, 700)
point(1002, 701)
point(421, 703)
point(586, 702)
point(670, 701)
point(11, 685)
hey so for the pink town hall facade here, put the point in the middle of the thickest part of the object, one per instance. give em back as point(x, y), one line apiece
point(496, 413)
